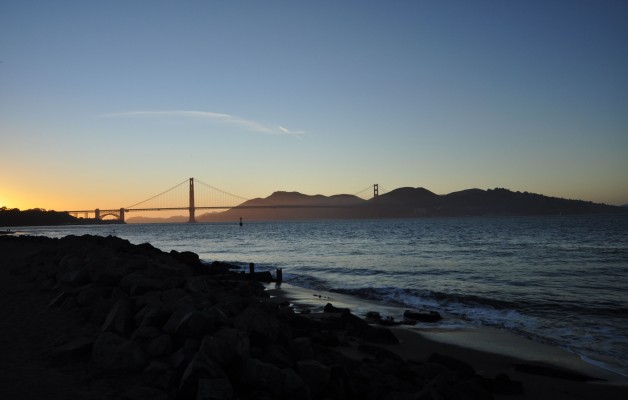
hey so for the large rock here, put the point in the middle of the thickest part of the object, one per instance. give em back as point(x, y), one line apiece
point(145, 333)
point(228, 347)
point(294, 387)
point(315, 375)
point(200, 367)
point(73, 277)
point(137, 283)
point(278, 356)
point(186, 257)
point(174, 294)
point(192, 324)
point(301, 349)
point(231, 306)
point(153, 298)
point(196, 324)
point(214, 389)
point(161, 375)
point(151, 315)
point(103, 269)
point(92, 295)
point(120, 318)
point(143, 393)
point(112, 352)
point(258, 374)
point(422, 316)
point(263, 329)
point(359, 328)
point(75, 350)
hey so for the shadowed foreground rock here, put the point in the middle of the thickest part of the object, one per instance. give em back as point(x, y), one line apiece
point(166, 326)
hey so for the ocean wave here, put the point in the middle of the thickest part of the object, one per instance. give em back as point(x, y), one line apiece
point(472, 310)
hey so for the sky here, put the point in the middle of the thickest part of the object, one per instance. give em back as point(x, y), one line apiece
point(106, 103)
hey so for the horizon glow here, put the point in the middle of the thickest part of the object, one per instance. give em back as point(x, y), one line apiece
point(105, 104)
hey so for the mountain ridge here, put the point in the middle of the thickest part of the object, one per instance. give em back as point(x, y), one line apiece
point(406, 202)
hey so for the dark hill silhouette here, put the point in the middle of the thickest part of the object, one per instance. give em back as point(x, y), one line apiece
point(156, 220)
point(41, 217)
point(291, 205)
point(408, 194)
point(15, 217)
point(407, 202)
point(292, 198)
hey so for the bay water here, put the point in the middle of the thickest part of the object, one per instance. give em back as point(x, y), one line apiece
point(561, 280)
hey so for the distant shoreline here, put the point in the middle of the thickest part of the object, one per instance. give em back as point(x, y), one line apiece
point(405, 202)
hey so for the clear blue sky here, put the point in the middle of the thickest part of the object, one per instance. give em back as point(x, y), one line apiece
point(106, 103)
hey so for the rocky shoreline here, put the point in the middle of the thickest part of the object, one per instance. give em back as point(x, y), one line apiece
point(145, 324)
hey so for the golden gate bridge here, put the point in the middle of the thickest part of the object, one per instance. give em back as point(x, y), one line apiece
point(183, 196)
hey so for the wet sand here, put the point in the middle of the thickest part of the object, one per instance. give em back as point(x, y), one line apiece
point(490, 351)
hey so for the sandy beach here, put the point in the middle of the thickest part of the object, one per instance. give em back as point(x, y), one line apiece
point(96, 318)
point(490, 351)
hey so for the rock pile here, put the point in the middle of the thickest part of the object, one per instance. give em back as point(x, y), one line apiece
point(171, 327)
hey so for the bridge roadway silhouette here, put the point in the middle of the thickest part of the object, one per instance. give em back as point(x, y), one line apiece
point(191, 207)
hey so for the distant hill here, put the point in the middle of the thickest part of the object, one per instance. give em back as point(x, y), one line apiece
point(406, 202)
point(291, 205)
point(15, 217)
point(154, 220)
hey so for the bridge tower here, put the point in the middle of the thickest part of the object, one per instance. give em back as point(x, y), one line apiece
point(192, 209)
point(121, 219)
point(375, 190)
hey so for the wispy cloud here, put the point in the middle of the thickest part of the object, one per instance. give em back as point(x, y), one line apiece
point(217, 117)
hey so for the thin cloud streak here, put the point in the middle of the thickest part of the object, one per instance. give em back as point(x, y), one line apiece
point(218, 117)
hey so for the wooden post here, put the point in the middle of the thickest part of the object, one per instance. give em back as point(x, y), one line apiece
point(251, 268)
point(279, 276)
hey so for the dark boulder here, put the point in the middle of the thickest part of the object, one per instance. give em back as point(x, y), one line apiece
point(330, 308)
point(196, 324)
point(120, 317)
point(75, 350)
point(423, 316)
point(263, 329)
point(111, 352)
point(186, 257)
point(160, 346)
point(200, 367)
point(260, 375)
point(214, 389)
point(264, 276)
point(228, 347)
point(315, 375)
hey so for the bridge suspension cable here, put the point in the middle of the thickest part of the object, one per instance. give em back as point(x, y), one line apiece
point(369, 188)
point(374, 189)
point(220, 190)
point(160, 194)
